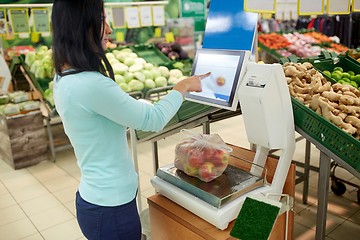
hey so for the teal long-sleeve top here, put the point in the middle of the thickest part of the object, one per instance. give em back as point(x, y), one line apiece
point(95, 113)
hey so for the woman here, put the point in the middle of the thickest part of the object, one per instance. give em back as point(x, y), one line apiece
point(95, 113)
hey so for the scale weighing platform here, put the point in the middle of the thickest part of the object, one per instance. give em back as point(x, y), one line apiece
point(233, 183)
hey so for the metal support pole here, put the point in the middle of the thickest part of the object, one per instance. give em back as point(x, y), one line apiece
point(323, 191)
point(306, 171)
point(155, 156)
point(136, 165)
point(206, 127)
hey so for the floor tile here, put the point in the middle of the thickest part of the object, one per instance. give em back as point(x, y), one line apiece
point(17, 230)
point(59, 183)
point(307, 218)
point(36, 236)
point(68, 230)
point(51, 217)
point(303, 233)
point(3, 189)
point(355, 217)
point(346, 231)
point(29, 193)
point(46, 170)
point(11, 214)
point(71, 207)
point(6, 200)
point(67, 194)
point(39, 204)
point(19, 180)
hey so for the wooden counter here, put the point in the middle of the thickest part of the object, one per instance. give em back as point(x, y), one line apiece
point(171, 221)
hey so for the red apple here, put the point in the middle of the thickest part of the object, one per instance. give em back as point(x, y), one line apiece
point(196, 157)
point(217, 157)
point(206, 171)
point(220, 81)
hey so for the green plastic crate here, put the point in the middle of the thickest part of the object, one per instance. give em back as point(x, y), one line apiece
point(151, 54)
point(329, 135)
point(343, 61)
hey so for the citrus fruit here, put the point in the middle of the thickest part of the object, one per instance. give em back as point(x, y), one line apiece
point(337, 76)
point(357, 78)
point(338, 69)
point(346, 75)
point(346, 79)
point(326, 72)
point(351, 73)
point(353, 83)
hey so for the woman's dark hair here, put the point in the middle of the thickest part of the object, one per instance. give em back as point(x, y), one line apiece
point(77, 33)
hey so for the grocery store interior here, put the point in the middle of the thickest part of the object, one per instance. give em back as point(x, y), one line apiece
point(154, 45)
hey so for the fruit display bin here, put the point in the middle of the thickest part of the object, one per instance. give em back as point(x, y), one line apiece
point(329, 135)
point(151, 54)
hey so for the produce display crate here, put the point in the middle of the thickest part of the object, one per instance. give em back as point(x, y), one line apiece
point(151, 54)
point(329, 135)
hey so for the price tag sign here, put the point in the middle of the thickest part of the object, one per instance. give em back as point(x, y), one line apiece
point(145, 16)
point(260, 6)
point(19, 20)
point(356, 5)
point(311, 7)
point(41, 20)
point(35, 37)
point(3, 23)
point(158, 15)
point(338, 6)
point(132, 17)
point(157, 32)
point(169, 37)
point(120, 36)
point(118, 17)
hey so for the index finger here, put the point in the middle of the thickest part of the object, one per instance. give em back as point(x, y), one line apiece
point(201, 77)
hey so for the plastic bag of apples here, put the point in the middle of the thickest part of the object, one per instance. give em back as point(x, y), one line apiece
point(204, 156)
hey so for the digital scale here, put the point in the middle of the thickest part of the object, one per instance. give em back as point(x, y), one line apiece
point(266, 107)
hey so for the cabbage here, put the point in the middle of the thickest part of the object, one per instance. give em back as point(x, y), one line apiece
point(119, 79)
point(136, 67)
point(160, 81)
point(128, 76)
point(115, 52)
point(125, 87)
point(30, 58)
point(164, 71)
point(129, 61)
point(126, 50)
point(113, 61)
point(140, 60)
point(40, 72)
point(43, 48)
point(156, 73)
point(51, 84)
point(176, 73)
point(119, 68)
point(136, 85)
point(148, 74)
point(121, 56)
point(173, 80)
point(148, 66)
point(35, 65)
point(139, 76)
point(149, 83)
point(133, 55)
point(110, 56)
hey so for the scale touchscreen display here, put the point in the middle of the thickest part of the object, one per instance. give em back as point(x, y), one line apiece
point(220, 87)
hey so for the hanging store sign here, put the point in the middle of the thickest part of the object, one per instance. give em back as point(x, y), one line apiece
point(3, 24)
point(132, 17)
point(196, 10)
point(356, 5)
point(19, 20)
point(338, 6)
point(260, 6)
point(118, 17)
point(311, 7)
point(41, 20)
point(158, 13)
point(146, 19)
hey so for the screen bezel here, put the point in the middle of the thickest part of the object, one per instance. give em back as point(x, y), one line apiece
point(233, 100)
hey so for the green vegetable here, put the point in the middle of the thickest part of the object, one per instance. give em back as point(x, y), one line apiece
point(139, 76)
point(164, 71)
point(119, 68)
point(148, 66)
point(148, 74)
point(156, 73)
point(119, 79)
point(149, 83)
point(160, 81)
point(136, 67)
point(128, 76)
point(125, 87)
point(178, 65)
point(136, 85)
point(176, 73)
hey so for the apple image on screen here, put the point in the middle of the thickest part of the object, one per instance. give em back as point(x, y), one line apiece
point(220, 81)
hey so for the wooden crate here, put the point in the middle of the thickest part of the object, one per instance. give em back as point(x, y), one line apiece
point(23, 139)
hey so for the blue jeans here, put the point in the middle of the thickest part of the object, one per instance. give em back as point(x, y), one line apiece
point(108, 223)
